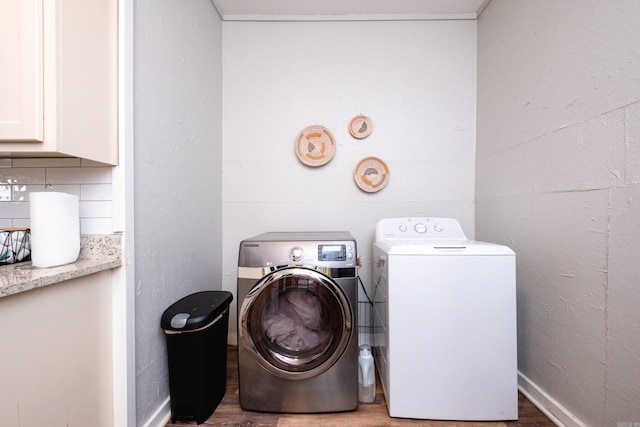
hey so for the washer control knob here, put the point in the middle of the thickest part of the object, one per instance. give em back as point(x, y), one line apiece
point(296, 253)
point(420, 228)
point(403, 228)
point(438, 228)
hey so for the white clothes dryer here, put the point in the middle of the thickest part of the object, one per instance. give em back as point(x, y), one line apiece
point(445, 321)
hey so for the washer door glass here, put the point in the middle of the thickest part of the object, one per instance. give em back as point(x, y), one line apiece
point(296, 322)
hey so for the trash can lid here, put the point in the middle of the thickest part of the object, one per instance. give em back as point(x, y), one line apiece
point(195, 311)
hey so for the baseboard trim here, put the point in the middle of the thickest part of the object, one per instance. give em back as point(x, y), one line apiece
point(555, 411)
point(161, 417)
point(232, 339)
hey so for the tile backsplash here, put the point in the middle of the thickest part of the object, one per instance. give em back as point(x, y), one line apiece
point(90, 181)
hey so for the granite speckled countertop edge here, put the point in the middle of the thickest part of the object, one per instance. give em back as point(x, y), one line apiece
point(98, 252)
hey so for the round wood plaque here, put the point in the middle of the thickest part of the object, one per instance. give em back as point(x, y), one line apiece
point(315, 146)
point(371, 174)
point(360, 126)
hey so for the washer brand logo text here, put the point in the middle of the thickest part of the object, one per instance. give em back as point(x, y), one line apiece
point(251, 245)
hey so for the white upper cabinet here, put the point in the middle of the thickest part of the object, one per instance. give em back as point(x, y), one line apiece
point(59, 79)
point(21, 70)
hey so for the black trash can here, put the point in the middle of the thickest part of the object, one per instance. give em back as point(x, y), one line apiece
point(195, 328)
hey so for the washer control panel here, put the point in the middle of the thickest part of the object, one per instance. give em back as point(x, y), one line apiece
point(419, 228)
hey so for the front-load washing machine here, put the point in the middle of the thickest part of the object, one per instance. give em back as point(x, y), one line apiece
point(445, 317)
point(297, 332)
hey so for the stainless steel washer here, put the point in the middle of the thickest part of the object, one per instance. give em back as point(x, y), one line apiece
point(297, 332)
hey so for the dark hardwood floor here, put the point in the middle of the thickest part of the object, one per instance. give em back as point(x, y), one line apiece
point(229, 413)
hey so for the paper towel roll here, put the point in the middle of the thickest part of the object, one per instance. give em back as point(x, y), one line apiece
point(55, 228)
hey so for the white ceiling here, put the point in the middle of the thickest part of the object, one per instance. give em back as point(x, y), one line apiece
point(338, 10)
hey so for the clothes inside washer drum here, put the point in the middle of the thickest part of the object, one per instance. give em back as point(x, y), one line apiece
point(295, 322)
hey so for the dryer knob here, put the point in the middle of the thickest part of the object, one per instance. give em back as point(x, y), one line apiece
point(296, 253)
point(420, 228)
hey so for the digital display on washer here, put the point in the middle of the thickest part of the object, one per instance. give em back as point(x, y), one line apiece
point(332, 252)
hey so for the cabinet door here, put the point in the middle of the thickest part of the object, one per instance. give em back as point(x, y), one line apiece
point(87, 80)
point(21, 79)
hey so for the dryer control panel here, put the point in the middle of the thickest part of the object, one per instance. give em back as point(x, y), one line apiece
point(418, 228)
point(334, 252)
point(322, 249)
point(325, 252)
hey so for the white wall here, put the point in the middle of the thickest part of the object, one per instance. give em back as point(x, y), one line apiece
point(558, 176)
point(177, 152)
point(415, 80)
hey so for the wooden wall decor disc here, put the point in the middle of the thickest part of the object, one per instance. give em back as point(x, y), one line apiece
point(315, 145)
point(360, 126)
point(371, 174)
